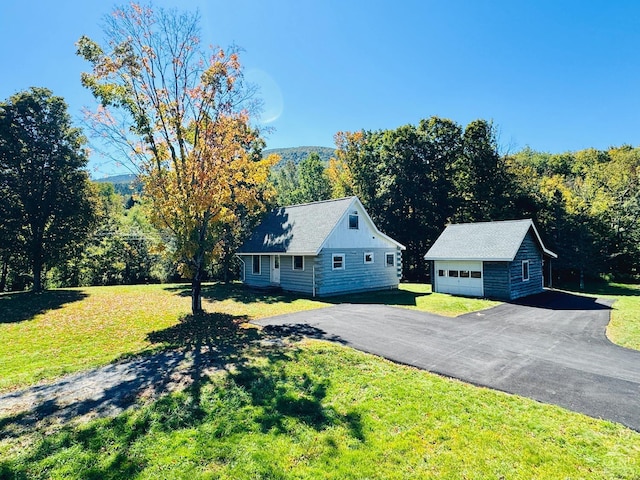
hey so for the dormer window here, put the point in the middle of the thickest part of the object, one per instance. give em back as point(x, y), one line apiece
point(353, 220)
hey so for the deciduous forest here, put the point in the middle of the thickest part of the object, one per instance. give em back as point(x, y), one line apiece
point(413, 180)
point(416, 179)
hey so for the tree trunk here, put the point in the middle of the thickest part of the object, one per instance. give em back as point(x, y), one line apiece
point(5, 272)
point(196, 298)
point(37, 275)
point(582, 279)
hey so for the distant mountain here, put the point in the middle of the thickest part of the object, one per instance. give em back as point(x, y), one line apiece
point(297, 154)
point(117, 179)
point(125, 185)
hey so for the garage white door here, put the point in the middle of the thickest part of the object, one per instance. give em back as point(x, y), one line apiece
point(459, 278)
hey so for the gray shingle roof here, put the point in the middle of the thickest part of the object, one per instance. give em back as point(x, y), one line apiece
point(297, 229)
point(497, 241)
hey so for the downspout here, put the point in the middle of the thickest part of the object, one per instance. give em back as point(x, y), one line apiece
point(313, 275)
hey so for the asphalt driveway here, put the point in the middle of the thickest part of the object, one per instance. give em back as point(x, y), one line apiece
point(551, 347)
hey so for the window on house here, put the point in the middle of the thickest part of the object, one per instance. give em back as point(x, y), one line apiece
point(338, 261)
point(453, 273)
point(256, 264)
point(441, 273)
point(525, 270)
point(298, 262)
point(464, 273)
point(368, 257)
point(353, 220)
point(390, 259)
point(476, 274)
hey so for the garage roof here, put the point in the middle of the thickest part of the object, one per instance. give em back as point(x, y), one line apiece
point(490, 241)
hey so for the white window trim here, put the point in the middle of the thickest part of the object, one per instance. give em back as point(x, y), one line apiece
point(333, 257)
point(253, 265)
point(386, 264)
point(293, 263)
point(528, 271)
point(365, 258)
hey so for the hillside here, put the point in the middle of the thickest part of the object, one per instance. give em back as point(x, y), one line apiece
point(117, 179)
point(123, 184)
point(297, 154)
point(294, 154)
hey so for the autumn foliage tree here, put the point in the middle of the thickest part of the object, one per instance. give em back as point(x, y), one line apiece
point(184, 115)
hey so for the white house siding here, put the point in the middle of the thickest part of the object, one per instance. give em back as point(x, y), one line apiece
point(364, 236)
point(356, 276)
point(297, 280)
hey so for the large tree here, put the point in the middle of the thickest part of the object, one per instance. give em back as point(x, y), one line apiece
point(306, 182)
point(482, 182)
point(403, 176)
point(48, 205)
point(183, 113)
point(314, 181)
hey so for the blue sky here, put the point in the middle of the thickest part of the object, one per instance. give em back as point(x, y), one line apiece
point(551, 75)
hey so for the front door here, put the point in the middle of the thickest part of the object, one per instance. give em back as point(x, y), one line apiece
point(275, 269)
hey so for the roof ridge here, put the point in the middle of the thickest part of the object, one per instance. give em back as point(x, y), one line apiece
point(317, 202)
point(486, 222)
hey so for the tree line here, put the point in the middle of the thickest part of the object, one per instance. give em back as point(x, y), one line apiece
point(183, 118)
point(416, 179)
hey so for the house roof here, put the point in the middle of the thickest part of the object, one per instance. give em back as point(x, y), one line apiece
point(497, 241)
point(301, 229)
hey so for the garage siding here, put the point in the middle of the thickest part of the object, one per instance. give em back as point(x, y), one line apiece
point(496, 280)
point(529, 250)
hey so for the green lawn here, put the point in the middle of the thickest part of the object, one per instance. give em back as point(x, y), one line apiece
point(63, 331)
point(305, 409)
point(418, 296)
point(320, 410)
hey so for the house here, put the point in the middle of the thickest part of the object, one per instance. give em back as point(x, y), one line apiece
point(321, 248)
point(502, 260)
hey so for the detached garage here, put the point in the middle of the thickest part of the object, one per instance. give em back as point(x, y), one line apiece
point(502, 260)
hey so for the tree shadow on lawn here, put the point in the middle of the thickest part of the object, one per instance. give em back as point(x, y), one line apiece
point(262, 391)
point(244, 294)
point(22, 306)
point(389, 297)
point(238, 292)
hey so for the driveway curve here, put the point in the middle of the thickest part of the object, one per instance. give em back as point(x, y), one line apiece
point(551, 347)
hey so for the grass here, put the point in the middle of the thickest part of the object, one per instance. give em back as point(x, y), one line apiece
point(318, 410)
point(297, 409)
point(63, 331)
point(57, 332)
point(417, 296)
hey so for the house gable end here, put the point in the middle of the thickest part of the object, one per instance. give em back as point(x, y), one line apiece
point(367, 235)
